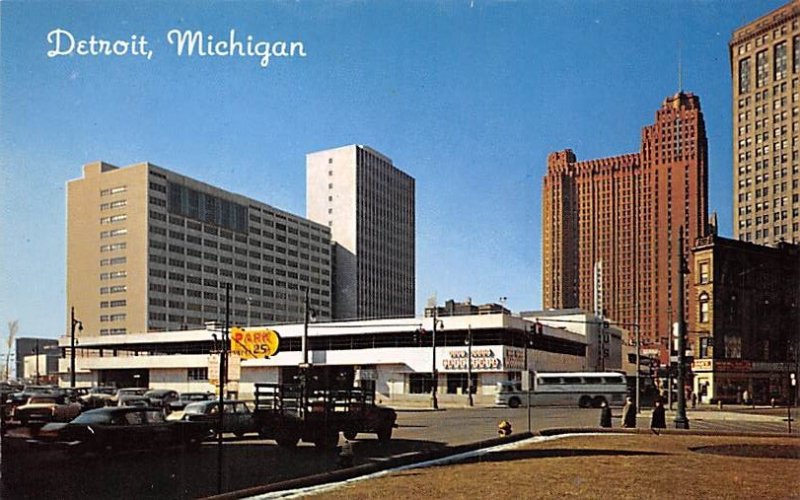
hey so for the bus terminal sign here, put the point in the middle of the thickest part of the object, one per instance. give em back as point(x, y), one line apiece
point(255, 344)
point(482, 360)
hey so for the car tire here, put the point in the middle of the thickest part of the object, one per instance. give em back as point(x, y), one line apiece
point(585, 401)
point(327, 440)
point(514, 402)
point(287, 441)
point(385, 433)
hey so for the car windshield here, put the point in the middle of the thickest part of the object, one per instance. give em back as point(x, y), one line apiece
point(91, 417)
point(37, 400)
point(195, 408)
point(195, 397)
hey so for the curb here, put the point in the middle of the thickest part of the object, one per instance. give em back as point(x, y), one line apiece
point(368, 468)
point(557, 431)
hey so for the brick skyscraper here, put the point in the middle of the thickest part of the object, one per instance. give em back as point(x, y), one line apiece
point(765, 67)
point(625, 211)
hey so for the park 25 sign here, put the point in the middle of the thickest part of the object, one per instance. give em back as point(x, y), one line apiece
point(255, 344)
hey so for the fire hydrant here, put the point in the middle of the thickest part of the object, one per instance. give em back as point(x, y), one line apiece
point(346, 454)
point(504, 428)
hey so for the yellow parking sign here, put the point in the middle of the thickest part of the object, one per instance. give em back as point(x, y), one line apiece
point(254, 344)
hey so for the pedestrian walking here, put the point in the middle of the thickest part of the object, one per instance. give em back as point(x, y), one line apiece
point(659, 420)
point(605, 415)
point(629, 414)
point(694, 400)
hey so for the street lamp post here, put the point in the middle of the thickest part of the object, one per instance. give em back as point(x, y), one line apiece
point(249, 301)
point(638, 365)
point(435, 381)
point(36, 353)
point(223, 372)
point(681, 420)
point(469, 364)
point(75, 323)
point(528, 342)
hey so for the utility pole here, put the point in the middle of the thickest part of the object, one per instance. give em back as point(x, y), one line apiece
point(469, 364)
point(36, 352)
point(75, 323)
point(434, 382)
point(223, 373)
point(681, 421)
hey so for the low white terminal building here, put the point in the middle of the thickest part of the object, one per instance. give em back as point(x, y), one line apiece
point(396, 356)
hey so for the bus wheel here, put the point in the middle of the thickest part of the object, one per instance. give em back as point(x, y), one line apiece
point(514, 402)
point(598, 401)
point(585, 401)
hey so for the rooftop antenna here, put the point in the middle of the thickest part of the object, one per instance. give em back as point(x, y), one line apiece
point(680, 72)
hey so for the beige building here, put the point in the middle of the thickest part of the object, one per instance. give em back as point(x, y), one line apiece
point(152, 250)
point(368, 204)
point(765, 69)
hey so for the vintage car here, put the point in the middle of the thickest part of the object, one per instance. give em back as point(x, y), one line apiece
point(190, 397)
point(237, 417)
point(43, 408)
point(130, 391)
point(121, 429)
point(133, 400)
point(98, 397)
point(161, 398)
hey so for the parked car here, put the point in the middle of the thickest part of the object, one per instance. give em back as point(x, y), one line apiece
point(130, 391)
point(237, 417)
point(161, 398)
point(190, 397)
point(99, 397)
point(133, 400)
point(47, 408)
point(122, 429)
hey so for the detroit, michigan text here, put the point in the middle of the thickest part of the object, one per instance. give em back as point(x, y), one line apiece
point(185, 43)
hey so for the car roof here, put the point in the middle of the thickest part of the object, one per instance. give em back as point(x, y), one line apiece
point(120, 409)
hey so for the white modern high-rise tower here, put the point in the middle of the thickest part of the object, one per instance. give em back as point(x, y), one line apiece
point(368, 204)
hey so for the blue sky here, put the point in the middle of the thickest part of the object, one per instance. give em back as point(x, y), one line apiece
point(467, 97)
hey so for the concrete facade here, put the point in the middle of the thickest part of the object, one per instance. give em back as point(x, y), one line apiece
point(368, 204)
point(152, 250)
point(386, 353)
point(765, 71)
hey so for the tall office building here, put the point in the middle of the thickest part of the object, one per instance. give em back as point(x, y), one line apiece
point(611, 226)
point(765, 69)
point(368, 204)
point(152, 250)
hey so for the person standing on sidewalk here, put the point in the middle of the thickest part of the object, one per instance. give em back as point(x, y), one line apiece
point(629, 414)
point(605, 415)
point(659, 419)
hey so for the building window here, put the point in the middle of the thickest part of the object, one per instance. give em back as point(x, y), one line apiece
point(762, 69)
point(733, 347)
point(113, 219)
point(703, 305)
point(114, 190)
point(780, 61)
point(744, 76)
point(199, 374)
point(420, 383)
point(706, 347)
point(704, 270)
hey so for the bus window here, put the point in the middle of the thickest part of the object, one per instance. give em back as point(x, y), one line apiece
point(572, 380)
point(594, 380)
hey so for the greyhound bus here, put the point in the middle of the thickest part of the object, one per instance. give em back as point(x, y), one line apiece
point(583, 389)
